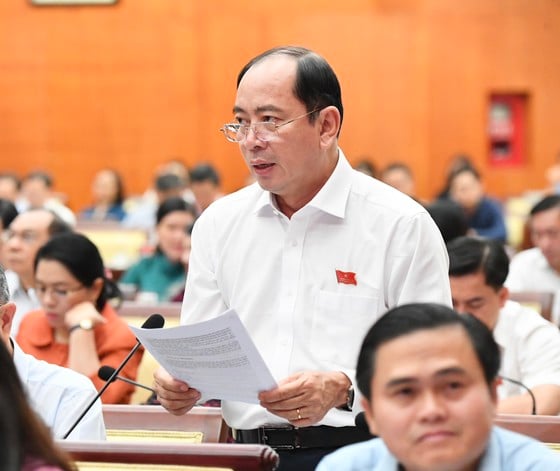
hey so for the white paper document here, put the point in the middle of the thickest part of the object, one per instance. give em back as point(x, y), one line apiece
point(216, 357)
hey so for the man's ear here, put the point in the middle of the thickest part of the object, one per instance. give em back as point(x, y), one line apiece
point(368, 414)
point(329, 120)
point(7, 312)
point(503, 294)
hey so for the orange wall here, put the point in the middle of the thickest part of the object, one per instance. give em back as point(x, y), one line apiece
point(133, 84)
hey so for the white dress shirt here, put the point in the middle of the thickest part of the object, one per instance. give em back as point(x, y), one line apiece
point(25, 300)
point(530, 349)
point(530, 271)
point(59, 396)
point(310, 287)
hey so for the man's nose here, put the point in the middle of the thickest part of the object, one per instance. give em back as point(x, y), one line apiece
point(432, 407)
point(252, 140)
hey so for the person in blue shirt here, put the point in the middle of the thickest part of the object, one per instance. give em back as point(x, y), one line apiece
point(428, 377)
point(484, 214)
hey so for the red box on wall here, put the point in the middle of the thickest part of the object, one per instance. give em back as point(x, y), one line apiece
point(507, 129)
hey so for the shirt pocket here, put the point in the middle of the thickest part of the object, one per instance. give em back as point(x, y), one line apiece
point(340, 322)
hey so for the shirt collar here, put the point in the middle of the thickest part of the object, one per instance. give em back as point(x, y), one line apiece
point(42, 334)
point(331, 198)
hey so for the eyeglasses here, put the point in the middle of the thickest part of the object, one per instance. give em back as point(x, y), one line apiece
point(56, 292)
point(27, 237)
point(264, 131)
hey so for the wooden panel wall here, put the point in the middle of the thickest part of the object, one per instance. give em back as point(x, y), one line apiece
point(134, 84)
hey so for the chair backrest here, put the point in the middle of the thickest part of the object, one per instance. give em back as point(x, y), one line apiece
point(214, 455)
point(540, 301)
point(206, 420)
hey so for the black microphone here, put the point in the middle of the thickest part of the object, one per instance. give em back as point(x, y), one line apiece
point(105, 373)
point(519, 383)
point(155, 321)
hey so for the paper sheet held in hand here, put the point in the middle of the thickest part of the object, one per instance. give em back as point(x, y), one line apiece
point(216, 357)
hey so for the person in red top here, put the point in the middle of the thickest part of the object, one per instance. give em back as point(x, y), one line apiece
point(77, 327)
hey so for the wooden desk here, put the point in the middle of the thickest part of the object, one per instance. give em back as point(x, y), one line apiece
point(545, 428)
point(229, 456)
point(207, 420)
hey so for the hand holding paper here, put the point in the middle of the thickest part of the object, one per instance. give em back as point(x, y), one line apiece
point(216, 357)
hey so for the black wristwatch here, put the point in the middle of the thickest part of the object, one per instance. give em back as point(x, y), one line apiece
point(349, 400)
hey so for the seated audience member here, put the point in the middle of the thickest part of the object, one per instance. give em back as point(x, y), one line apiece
point(108, 197)
point(428, 379)
point(27, 232)
point(538, 268)
point(25, 441)
point(399, 176)
point(163, 273)
point(10, 186)
point(530, 345)
point(143, 214)
point(205, 185)
point(58, 395)
point(457, 161)
point(484, 215)
point(8, 213)
point(449, 217)
point(185, 257)
point(77, 327)
point(37, 191)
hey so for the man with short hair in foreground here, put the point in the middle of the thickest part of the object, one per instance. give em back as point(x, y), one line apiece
point(428, 379)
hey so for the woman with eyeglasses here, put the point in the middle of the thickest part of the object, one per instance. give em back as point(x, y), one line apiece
point(76, 326)
point(25, 441)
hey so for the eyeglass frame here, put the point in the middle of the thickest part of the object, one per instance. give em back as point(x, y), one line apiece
point(27, 236)
point(248, 127)
point(58, 293)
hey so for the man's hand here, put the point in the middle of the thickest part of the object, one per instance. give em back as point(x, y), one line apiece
point(176, 396)
point(304, 398)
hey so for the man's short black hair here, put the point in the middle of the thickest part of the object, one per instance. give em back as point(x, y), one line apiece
point(41, 175)
point(410, 318)
point(548, 202)
point(316, 84)
point(204, 173)
point(168, 182)
point(469, 255)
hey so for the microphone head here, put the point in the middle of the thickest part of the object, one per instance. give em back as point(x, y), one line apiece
point(155, 321)
point(105, 372)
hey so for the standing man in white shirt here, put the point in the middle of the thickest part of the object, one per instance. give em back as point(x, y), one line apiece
point(309, 256)
point(538, 268)
point(58, 395)
point(530, 345)
point(27, 233)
